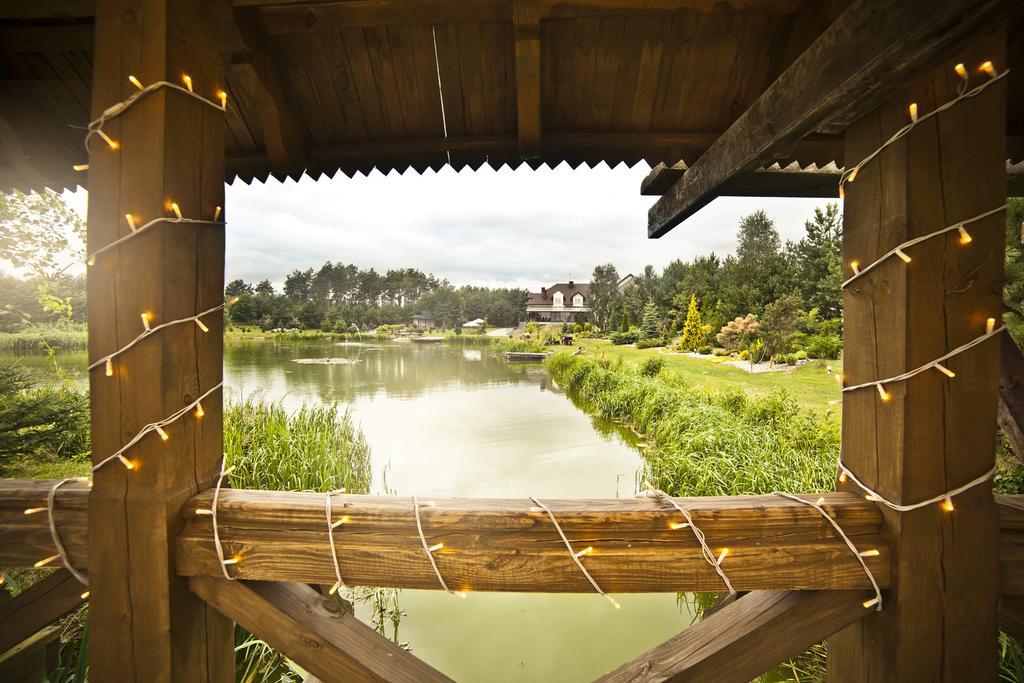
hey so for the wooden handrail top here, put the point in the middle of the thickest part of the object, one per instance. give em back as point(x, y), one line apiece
point(504, 544)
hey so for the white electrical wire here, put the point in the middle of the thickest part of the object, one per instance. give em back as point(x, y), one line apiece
point(339, 584)
point(62, 553)
point(90, 259)
point(927, 366)
point(213, 515)
point(153, 330)
point(917, 240)
point(873, 495)
point(963, 94)
point(575, 555)
point(709, 556)
point(877, 602)
point(96, 126)
point(430, 550)
point(153, 427)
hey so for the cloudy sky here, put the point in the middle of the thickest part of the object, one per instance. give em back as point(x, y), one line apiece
point(519, 228)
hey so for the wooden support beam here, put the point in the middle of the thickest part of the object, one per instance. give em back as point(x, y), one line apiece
point(145, 623)
point(857, 63)
point(934, 433)
point(747, 637)
point(526, 18)
point(37, 607)
point(33, 658)
point(1011, 396)
point(257, 70)
point(314, 630)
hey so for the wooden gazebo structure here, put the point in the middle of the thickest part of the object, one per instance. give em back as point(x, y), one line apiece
point(753, 97)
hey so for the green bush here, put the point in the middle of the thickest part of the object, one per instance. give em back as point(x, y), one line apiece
point(651, 343)
point(800, 355)
point(621, 338)
point(705, 350)
point(652, 366)
point(824, 346)
point(744, 355)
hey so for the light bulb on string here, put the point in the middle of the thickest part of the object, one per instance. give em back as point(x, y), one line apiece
point(202, 325)
point(903, 255)
point(855, 267)
point(346, 520)
point(177, 210)
point(222, 95)
point(162, 433)
point(961, 71)
point(187, 80)
point(109, 368)
point(870, 603)
point(145, 321)
point(45, 561)
point(435, 548)
point(988, 69)
point(85, 595)
point(842, 477)
point(216, 214)
point(947, 504)
point(80, 167)
point(131, 222)
point(945, 371)
point(136, 82)
point(965, 237)
point(722, 556)
point(853, 174)
point(990, 325)
point(111, 143)
point(913, 111)
point(883, 394)
point(585, 551)
point(870, 553)
point(199, 410)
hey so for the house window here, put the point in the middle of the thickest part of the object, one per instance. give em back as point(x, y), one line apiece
point(577, 300)
point(558, 299)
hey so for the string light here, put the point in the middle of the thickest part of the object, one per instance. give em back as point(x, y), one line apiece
point(586, 551)
point(945, 500)
point(574, 555)
point(429, 550)
point(222, 95)
point(900, 250)
point(709, 556)
point(95, 126)
point(216, 213)
point(199, 410)
point(62, 554)
point(212, 512)
point(91, 259)
point(961, 71)
point(877, 600)
point(113, 144)
point(187, 80)
point(45, 561)
point(85, 595)
point(145, 320)
point(990, 330)
point(153, 427)
point(915, 119)
point(947, 504)
point(80, 167)
point(107, 360)
point(176, 209)
point(131, 222)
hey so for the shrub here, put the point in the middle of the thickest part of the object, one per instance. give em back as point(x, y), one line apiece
point(705, 350)
point(824, 346)
point(652, 366)
point(720, 352)
point(650, 343)
point(800, 355)
point(737, 331)
point(40, 420)
point(744, 355)
point(620, 338)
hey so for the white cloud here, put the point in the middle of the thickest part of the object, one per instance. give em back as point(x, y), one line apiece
point(520, 228)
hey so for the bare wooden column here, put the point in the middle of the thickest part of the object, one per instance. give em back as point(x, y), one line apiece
point(935, 433)
point(145, 623)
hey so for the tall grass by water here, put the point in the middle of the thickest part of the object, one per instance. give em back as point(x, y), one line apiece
point(53, 338)
point(703, 442)
point(316, 448)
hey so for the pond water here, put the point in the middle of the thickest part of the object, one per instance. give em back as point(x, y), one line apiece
point(444, 421)
point(448, 421)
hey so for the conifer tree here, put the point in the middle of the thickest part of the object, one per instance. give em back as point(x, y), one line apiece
point(693, 328)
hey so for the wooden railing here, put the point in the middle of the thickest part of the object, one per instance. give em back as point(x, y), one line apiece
point(506, 544)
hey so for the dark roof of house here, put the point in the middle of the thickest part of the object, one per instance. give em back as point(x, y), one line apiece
point(567, 289)
point(423, 315)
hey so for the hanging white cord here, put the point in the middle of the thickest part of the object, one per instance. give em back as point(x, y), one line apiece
point(877, 602)
point(62, 553)
point(917, 240)
point(154, 330)
point(430, 550)
point(91, 258)
point(963, 94)
point(899, 507)
point(153, 427)
point(213, 515)
point(96, 126)
point(575, 555)
point(928, 366)
point(709, 556)
point(331, 524)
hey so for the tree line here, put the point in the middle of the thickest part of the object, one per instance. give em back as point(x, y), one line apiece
point(343, 297)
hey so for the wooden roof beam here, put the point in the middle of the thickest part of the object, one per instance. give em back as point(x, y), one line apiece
point(526, 18)
point(258, 72)
point(746, 637)
point(870, 50)
point(314, 630)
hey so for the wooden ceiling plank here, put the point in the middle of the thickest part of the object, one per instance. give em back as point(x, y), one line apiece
point(747, 637)
point(893, 40)
point(283, 133)
point(365, 82)
point(315, 630)
point(526, 18)
point(446, 40)
point(422, 47)
point(392, 99)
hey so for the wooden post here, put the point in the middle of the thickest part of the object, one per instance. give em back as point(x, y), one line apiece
point(935, 433)
point(145, 623)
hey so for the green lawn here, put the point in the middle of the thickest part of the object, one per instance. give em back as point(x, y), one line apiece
point(810, 384)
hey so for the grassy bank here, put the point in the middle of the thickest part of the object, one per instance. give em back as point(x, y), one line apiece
point(44, 338)
point(705, 442)
point(809, 385)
